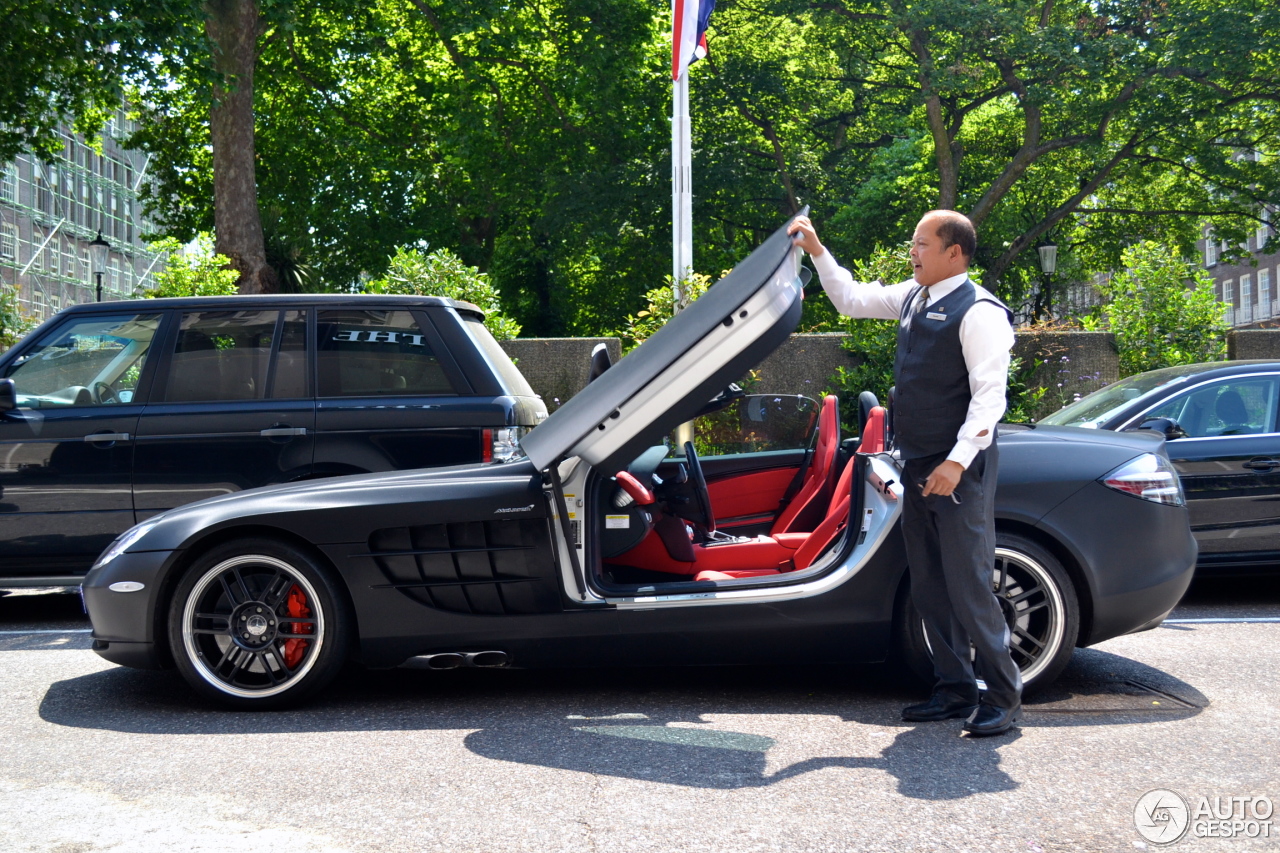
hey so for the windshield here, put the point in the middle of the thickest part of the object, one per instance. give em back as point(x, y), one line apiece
point(1103, 404)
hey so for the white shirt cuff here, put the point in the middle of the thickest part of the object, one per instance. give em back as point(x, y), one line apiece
point(964, 453)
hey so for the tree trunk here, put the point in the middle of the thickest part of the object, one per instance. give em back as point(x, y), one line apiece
point(233, 27)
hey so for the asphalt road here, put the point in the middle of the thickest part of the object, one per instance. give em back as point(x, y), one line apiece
point(100, 758)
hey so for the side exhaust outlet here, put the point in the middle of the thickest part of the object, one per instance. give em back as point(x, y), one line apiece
point(487, 659)
point(454, 660)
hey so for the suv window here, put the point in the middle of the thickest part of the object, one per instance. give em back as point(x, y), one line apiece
point(221, 355)
point(511, 377)
point(89, 361)
point(375, 353)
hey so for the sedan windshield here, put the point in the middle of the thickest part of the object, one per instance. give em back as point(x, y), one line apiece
point(1100, 406)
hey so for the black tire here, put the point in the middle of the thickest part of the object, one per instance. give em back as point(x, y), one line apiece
point(1040, 605)
point(293, 627)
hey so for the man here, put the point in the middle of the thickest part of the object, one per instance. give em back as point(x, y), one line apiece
point(951, 370)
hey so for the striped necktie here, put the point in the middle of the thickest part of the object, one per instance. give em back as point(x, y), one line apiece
point(920, 303)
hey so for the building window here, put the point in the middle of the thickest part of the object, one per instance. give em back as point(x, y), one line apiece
point(1210, 251)
point(37, 304)
point(1228, 292)
point(1246, 295)
point(1264, 291)
point(115, 275)
point(37, 239)
point(1264, 233)
point(8, 241)
point(9, 185)
point(84, 266)
point(55, 304)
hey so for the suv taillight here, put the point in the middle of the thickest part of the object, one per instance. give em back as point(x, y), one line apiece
point(1150, 477)
point(501, 445)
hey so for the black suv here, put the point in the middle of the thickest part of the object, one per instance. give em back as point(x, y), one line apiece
point(113, 412)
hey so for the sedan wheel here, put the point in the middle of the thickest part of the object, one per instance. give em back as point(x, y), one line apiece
point(258, 624)
point(1039, 604)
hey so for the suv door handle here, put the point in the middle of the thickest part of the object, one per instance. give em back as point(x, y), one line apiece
point(1261, 463)
point(107, 436)
point(282, 431)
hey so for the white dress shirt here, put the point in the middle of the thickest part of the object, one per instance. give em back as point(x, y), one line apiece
point(985, 339)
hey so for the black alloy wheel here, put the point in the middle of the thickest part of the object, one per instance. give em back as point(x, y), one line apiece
point(258, 623)
point(1040, 606)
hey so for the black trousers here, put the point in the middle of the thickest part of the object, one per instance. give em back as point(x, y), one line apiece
point(951, 553)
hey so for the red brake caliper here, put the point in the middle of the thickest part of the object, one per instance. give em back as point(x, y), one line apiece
point(296, 606)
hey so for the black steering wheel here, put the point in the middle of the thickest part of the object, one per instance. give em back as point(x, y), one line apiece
point(698, 483)
point(103, 393)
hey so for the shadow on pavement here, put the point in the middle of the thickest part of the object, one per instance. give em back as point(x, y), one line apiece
point(658, 725)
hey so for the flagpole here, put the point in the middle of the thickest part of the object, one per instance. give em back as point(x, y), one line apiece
point(681, 183)
point(681, 188)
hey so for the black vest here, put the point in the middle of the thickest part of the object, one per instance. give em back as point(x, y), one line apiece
point(932, 396)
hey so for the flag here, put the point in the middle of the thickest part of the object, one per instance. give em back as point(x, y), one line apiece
point(688, 33)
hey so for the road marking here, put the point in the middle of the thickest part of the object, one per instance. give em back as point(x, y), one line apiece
point(1242, 620)
point(51, 631)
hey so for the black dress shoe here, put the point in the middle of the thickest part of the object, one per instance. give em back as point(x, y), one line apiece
point(940, 706)
point(989, 720)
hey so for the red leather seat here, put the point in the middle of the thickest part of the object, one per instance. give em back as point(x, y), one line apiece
point(816, 489)
point(791, 551)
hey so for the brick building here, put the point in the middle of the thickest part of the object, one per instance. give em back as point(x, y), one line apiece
point(1248, 286)
point(51, 209)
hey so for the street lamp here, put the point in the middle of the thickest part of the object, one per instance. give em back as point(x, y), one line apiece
point(98, 249)
point(1048, 258)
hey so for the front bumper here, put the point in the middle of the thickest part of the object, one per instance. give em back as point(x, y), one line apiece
point(127, 626)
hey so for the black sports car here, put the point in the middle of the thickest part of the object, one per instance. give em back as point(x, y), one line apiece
point(597, 548)
point(1220, 421)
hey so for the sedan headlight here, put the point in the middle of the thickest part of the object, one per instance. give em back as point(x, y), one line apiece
point(1150, 477)
point(124, 541)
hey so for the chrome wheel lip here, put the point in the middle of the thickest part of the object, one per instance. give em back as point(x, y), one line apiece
point(1057, 612)
point(196, 658)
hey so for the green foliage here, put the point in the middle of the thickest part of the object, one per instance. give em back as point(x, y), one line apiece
point(197, 272)
point(14, 322)
point(661, 301)
point(443, 273)
point(1024, 399)
point(534, 137)
point(1162, 311)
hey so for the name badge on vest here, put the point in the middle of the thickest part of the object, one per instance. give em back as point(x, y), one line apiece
point(933, 315)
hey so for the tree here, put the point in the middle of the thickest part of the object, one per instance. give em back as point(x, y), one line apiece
point(526, 136)
point(199, 271)
point(1163, 312)
point(59, 66)
point(443, 273)
point(1089, 123)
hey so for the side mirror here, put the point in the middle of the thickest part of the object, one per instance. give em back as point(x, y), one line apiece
point(1167, 427)
point(8, 396)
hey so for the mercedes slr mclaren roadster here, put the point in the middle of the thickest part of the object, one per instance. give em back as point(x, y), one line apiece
point(604, 545)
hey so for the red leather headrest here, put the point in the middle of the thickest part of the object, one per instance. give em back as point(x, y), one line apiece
point(873, 432)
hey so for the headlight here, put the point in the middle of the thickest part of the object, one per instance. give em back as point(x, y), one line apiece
point(124, 540)
point(1149, 477)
